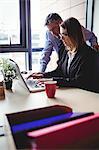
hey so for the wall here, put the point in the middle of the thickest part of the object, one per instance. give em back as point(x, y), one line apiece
point(96, 19)
point(66, 8)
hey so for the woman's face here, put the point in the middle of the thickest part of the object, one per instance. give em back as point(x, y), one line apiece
point(65, 38)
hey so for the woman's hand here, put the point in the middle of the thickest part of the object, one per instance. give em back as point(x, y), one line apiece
point(36, 75)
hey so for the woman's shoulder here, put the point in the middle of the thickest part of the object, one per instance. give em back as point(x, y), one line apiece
point(92, 54)
point(88, 49)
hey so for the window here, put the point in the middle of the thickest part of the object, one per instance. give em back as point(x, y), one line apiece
point(37, 33)
point(12, 25)
point(37, 25)
point(13, 31)
point(9, 22)
point(19, 58)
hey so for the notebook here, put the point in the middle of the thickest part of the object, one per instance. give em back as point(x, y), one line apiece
point(30, 85)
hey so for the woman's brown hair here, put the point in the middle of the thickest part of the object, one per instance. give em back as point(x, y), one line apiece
point(74, 30)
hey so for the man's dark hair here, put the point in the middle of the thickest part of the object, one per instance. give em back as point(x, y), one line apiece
point(52, 17)
point(74, 30)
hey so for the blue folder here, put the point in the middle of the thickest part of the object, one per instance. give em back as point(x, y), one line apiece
point(45, 122)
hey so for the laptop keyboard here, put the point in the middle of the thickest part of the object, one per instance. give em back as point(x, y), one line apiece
point(34, 83)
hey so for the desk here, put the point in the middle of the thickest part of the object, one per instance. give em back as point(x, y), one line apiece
point(79, 100)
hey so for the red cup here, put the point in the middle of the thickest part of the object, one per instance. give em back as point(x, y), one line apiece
point(50, 88)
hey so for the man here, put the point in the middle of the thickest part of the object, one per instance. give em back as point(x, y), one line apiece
point(53, 41)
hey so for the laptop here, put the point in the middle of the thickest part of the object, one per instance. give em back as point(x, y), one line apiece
point(27, 85)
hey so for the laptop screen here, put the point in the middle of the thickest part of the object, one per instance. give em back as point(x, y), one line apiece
point(29, 85)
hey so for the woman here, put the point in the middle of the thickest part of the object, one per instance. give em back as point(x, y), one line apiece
point(78, 64)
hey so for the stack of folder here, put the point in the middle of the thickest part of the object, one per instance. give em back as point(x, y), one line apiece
point(53, 127)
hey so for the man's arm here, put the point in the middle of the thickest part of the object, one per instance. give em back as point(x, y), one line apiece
point(90, 36)
point(46, 52)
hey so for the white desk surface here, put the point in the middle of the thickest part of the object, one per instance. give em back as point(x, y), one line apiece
point(79, 100)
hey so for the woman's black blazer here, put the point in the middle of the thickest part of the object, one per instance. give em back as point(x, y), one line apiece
point(83, 71)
